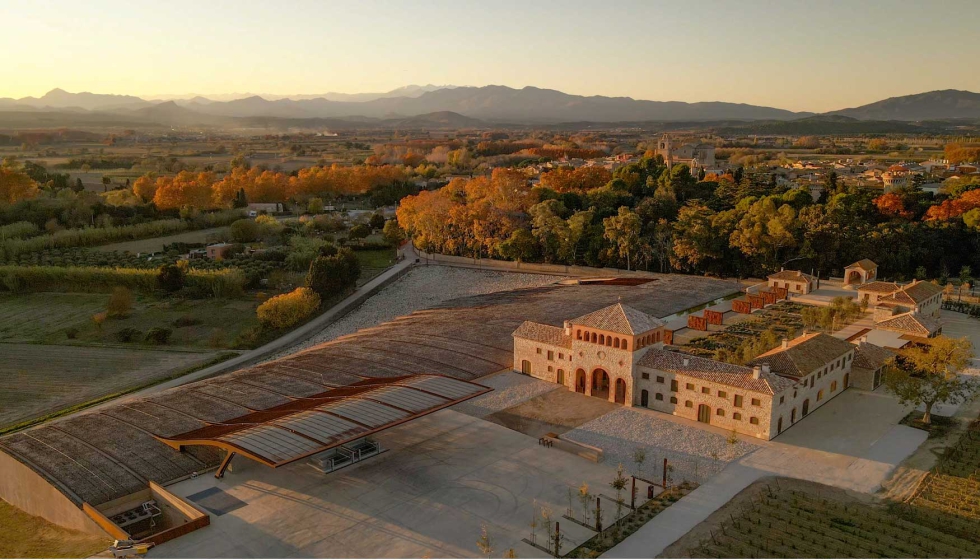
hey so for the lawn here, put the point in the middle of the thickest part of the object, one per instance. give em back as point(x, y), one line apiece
point(373, 263)
point(785, 518)
point(26, 536)
point(36, 379)
point(35, 317)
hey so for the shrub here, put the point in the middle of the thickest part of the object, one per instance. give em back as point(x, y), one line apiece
point(186, 321)
point(227, 282)
point(170, 278)
point(288, 309)
point(331, 275)
point(129, 334)
point(249, 338)
point(98, 319)
point(359, 231)
point(120, 302)
point(158, 335)
point(217, 338)
point(245, 230)
point(18, 230)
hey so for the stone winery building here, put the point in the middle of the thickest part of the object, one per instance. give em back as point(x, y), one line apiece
point(618, 353)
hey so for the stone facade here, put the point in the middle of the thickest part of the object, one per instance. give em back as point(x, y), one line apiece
point(793, 281)
point(603, 358)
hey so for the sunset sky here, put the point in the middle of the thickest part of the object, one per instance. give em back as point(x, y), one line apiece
point(813, 56)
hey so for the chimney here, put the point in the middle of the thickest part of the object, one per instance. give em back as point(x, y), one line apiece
point(766, 368)
point(687, 362)
point(786, 342)
point(756, 372)
point(568, 328)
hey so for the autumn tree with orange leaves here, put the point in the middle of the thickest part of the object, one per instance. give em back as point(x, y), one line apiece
point(15, 185)
point(567, 179)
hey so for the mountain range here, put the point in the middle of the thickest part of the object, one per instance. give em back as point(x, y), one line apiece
point(450, 106)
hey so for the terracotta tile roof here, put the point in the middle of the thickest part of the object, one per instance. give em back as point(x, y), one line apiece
point(914, 293)
point(714, 371)
point(619, 318)
point(804, 354)
point(792, 275)
point(910, 323)
point(547, 334)
point(865, 264)
point(879, 287)
point(871, 356)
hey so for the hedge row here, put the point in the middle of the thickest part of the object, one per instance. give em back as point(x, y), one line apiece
point(209, 283)
point(88, 237)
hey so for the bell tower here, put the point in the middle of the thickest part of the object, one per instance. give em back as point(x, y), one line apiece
point(664, 150)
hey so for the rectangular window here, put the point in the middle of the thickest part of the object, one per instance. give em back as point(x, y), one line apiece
point(689, 386)
point(706, 390)
point(539, 350)
point(738, 401)
point(645, 375)
point(660, 379)
point(723, 394)
point(673, 385)
point(756, 402)
point(561, 356)
point(782, 399)
point(551, 368)
point(551, 355)
point(754, 420)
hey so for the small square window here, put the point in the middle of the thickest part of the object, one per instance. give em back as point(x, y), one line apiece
point(645, 375)
point(754, 420)
point(689, 386)
point(659, 396)
point(551, 368)
point(706, 390)
point(660, 379)
point(561, 356)
point(539, 350)
point(688, 404)
point(673, 400)
point(737, 416)
point(756, 402)
point(723, 394)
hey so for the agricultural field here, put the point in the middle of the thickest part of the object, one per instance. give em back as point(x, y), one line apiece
point(36, 379)
point(27, 536)
point(156, 244)
point(953, 486)
point(786, 518)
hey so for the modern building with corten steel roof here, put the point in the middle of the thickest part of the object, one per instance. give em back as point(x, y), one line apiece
point(132, 448)
point(617, 353)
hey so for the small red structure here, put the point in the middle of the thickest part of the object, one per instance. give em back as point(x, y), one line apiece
point(714, 317)
point(668, 337)
point(781, 293)
point(757, 301)
point(697, 323)
point(768, 297)
point(742, 306)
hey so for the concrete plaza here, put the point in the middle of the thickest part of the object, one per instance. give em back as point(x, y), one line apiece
point(443, 478)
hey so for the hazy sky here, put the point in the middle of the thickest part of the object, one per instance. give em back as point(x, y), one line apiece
point(813, 55)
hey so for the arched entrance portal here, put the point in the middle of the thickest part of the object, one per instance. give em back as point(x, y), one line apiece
point(620, 391)
point(854, 277)
point(600, 384)
point(580, 382)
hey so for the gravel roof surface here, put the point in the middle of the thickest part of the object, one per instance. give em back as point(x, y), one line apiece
point(509, 389)
point(690, 450)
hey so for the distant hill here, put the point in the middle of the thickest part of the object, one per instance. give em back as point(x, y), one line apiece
point(61, 99)
point(439, 119)
point(821, 125)
point(944, 104)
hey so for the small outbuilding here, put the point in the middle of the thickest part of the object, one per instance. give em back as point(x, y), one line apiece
point(861, 272)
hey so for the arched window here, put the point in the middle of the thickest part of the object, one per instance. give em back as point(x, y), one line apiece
point(594, 337)
point(578, 334)
point(609, 341)
point(602, 339)
point(737, 416)
point(820, 395)
point(660, 396)
point(673, 400)
point(616, 342)
point(624, 345)
point(720, 412)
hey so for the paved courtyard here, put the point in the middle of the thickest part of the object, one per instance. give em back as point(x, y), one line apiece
point(444, 477)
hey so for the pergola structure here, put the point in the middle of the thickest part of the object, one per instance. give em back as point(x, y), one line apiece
point(307, 426)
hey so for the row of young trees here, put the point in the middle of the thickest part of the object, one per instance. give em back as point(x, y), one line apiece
point(647, 216)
